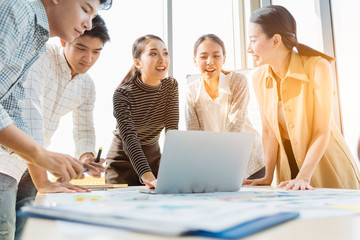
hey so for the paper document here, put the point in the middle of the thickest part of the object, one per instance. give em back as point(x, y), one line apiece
point(206, 213)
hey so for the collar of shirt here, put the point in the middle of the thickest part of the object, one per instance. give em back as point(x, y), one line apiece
point(295, 70)
point(224, 86)
point(40, 16)
point(146, 87)
point(63, 64)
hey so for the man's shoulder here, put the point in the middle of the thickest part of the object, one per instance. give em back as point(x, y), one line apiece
point(16, 13)
point(47, 61)
point(16, 19)
point(15, 9)
point(53, 53)
point(86, 81)
point(53, 48)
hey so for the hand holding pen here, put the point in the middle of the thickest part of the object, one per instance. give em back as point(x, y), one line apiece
point(97, 160)
point(94, 165)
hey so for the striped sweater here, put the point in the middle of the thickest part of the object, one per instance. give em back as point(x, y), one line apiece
point(142, 112)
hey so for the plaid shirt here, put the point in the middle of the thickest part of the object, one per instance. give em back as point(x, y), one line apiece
point(24, 29)
point(51, 93)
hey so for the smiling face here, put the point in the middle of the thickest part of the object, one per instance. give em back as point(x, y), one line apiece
point(82, 53)
point(68, 19)
point(261, 47)
point(153, 62)
point(209, 59)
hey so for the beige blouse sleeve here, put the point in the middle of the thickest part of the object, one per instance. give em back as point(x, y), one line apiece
point(191, 114)
point(237, 116)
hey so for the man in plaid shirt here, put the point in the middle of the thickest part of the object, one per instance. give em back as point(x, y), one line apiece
point(25, 26)
point(56, 84)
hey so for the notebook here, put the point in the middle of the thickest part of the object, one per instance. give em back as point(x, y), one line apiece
point(201, 161)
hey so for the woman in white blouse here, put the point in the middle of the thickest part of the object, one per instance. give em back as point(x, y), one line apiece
point(218, 100)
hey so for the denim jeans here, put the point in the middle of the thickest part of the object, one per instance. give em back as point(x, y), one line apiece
point(26, 194)
point(8, 188)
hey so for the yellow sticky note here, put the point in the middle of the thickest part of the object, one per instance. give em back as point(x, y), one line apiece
point(349, 207)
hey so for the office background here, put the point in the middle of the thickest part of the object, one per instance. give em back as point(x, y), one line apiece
point(330, 26)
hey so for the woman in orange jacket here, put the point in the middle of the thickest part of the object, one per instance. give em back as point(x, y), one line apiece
point(295, 95)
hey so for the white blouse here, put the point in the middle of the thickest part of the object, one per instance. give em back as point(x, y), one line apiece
point(216, 111)
point(227, 113)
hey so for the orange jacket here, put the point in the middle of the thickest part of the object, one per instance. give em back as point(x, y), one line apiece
point(337, 167)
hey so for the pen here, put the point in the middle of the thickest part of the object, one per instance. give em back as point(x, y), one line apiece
point(96, 160)
point(98, 155)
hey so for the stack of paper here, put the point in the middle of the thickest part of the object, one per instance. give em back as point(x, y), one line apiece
point(172, 215)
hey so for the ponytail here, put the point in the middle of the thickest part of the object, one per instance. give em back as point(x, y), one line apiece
point(308, 51)
point(290, 41)
point(130, 76)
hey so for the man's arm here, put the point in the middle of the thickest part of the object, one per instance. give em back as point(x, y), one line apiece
point(12, 66)
point(44, 185)
point(60, 165)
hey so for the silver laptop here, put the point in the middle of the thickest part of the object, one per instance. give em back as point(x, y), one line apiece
point(200, 161)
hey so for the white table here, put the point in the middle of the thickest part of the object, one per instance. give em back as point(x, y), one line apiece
point(327, 228)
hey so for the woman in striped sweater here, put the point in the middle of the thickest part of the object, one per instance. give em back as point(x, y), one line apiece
point(218, 100)
point(145, 103)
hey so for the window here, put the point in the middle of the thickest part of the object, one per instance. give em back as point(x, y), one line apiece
point(126, 21)
point(347, 58)
point(308, 21)
point(192, 19)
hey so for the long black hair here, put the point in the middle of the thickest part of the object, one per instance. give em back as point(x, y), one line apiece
point(137, 49)
point(276, 19)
